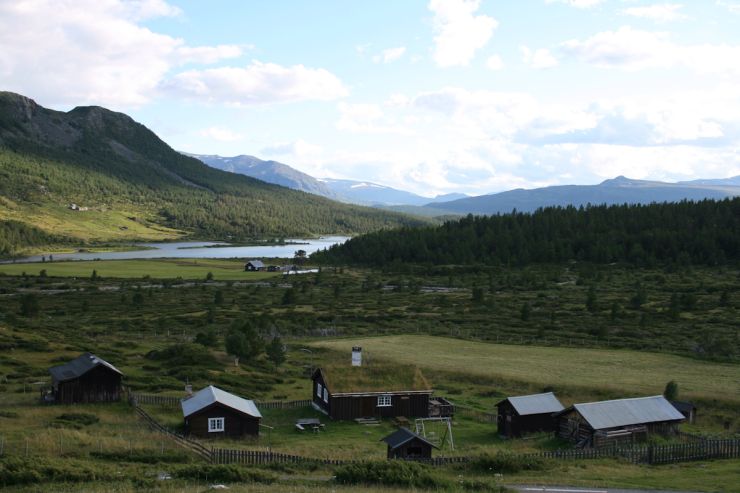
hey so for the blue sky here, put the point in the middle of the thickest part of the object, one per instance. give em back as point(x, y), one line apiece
point(432, 96)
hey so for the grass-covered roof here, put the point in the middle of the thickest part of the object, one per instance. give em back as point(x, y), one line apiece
point(375, 377)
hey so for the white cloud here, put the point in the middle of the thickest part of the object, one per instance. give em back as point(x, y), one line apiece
point(257, 83)
point(581, 4)
point(366, 118)
point(220, 134)
point(91, 51)
point(733, 7)
point(494, 62)
point(296, 149)
point(540, 58)
point(390, 55)
point(632, 49)
point(459, 32)
point(660, 12)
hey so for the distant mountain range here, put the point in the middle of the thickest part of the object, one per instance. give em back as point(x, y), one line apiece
point(351, 191)
point(619, 190)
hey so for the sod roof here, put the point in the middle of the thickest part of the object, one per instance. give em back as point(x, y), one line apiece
point(377, 377)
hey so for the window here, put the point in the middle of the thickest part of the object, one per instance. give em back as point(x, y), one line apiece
point(384, 401)
point(326, 395)
point(215, 424)
point(318, 390)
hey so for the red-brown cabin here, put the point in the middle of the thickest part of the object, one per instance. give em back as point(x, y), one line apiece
point(215, 413)
point(86, 378)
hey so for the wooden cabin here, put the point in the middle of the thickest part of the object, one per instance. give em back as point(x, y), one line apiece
point(405, 444)
point(688, 409)
point(352, 392)
point(214, 413)
point(527, 414)
point(254, 266)
point(86, 378)
point(597, 424)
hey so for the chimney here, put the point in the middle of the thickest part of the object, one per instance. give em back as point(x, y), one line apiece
point(189, 390)
point(356, 356)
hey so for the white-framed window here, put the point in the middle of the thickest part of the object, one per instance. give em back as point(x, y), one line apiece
point(215, 425)
point(384, 401)
point(326, 395)
point(318, 389)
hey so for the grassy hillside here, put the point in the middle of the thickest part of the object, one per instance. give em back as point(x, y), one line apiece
point(131, 185)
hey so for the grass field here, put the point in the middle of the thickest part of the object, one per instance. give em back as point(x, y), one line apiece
point(631, 372)
point(232, 270)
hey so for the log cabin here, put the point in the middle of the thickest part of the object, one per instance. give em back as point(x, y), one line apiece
point(215, 413)
point(597, 424)
point(405, 444)
point(352, 392)
point(85, 379)
point(527, 414)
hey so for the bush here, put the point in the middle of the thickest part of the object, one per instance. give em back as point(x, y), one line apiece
point(74, 420)
point(21, 470)
point(392, 473)
point(143, 456)
point(506, 462)
point(225, 473)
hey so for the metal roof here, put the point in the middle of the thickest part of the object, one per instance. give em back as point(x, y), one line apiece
point(78, 367)
point(624, 412)
point(211, 395)
point(404, 435)
point(256, 263)
point(535, 404)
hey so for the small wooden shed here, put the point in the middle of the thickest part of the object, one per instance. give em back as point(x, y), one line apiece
point(596, 424)
point(351, 392)
point(688, 409)
point(254, 265)
point(405, 444)
point(212, 413)
point(86, 378)
point(527, 414)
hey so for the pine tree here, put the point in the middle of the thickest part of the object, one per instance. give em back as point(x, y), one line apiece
point(275, 351)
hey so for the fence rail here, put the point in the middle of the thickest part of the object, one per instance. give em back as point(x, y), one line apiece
point(476, 414)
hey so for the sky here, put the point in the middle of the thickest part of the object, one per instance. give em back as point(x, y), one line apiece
point(432, 96)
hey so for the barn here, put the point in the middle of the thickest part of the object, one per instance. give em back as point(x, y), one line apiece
point(352, 392)
point(254, 265)
point(86, 378)
point(527, 413)
point(213, 413)
point(405, 444)
point(596, 424)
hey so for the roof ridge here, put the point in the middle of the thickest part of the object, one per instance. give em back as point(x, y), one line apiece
point(622, 399)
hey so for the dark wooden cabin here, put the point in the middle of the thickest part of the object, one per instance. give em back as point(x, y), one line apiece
point(527, 414)
point(214, 413)
point(688, 409)
point(86, 378)
point(405, 444)
point(353, 392)
point(597, 424)
point(254, 265)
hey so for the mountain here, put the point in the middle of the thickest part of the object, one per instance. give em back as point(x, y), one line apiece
point(619, 190)
point(732, 181)
point(351, 191)
point(269, 171)
point(96, 175)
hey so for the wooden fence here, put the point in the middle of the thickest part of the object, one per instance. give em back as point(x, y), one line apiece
point(476, 414)
point(699, 449)
point(169, 401)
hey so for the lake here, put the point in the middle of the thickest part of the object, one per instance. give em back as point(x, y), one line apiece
point(201, 249)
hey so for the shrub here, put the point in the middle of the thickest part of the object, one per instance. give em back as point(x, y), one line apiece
point(225, 473)
point(21, 470)
point(392, 473)
point(143, 456)
point(74, 420)
point(506, 462)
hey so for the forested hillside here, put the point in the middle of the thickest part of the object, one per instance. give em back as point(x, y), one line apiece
point(706, 232)
point(132, 185)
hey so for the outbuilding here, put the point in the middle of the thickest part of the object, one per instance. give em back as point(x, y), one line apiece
point(353, 392)
point(527, 414)
point(688, 409)
point(405, 444)
point(213, 413)
point(596, 424)
point(86, 378)
point(254, 265)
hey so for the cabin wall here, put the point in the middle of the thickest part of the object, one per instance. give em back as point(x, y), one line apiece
point(319, 401)
point(100, 384)
point(366, 406)
point(573, 427)
point(236, 424)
